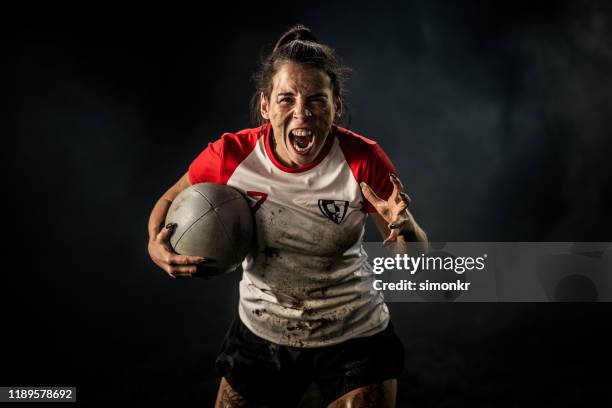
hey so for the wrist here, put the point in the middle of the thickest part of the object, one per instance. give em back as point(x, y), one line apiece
point(408, 230)
point(153, 235)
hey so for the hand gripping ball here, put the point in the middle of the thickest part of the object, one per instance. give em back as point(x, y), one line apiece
point(213, 221)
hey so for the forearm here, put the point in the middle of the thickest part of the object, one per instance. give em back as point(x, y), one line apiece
point(158, 216)
point(412, 232)
point(415, 234)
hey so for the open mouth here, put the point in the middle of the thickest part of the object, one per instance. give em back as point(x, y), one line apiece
point(302, 140)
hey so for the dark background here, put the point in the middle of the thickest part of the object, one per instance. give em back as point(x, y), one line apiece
point(496, 115)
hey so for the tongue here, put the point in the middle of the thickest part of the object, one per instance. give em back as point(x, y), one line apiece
point(302, 141)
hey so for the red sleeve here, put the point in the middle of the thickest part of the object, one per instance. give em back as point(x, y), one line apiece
point(207, 167)
point(376, 175)
point(368, 163)
point(219, 159)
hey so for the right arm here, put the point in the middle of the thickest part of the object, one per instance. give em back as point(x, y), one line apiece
point(159, 247)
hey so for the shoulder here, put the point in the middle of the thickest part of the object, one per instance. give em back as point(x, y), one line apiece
point(218, 161)
point(366, 158)
point(352, 141)
point(355, 147)
point(239, 142)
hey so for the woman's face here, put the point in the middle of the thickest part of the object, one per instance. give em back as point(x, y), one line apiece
point(301, 110)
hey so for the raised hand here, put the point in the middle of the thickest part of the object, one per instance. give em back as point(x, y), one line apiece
point(394, 210)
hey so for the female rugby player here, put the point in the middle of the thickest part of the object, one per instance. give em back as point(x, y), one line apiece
point(307, 311)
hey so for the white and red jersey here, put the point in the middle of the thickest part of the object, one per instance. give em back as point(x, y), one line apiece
point(307, 282)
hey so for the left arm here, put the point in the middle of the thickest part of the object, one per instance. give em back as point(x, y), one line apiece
point(393, 220)
point(414, 233)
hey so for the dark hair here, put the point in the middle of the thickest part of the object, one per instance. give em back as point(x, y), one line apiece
point(298, 45)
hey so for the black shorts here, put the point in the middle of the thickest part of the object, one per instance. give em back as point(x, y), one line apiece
point(273, 375)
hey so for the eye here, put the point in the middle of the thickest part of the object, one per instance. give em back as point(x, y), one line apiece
point(286, 100)
point(319, 101)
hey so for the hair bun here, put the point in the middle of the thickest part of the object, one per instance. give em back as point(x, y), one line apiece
point(298, 32)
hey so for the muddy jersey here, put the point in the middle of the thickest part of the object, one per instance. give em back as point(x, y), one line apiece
point(307, 282)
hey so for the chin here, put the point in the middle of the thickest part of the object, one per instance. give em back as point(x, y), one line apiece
point(302, 160)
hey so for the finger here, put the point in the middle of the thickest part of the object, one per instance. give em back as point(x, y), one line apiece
point(397, 225)
point(393, 197)
point(165, 233)
point(167, 260)
point(405, 198)
point(396, 182)
point(400, 221)
point(185, 259)
point(371, 196)
point(183, 275)
point(392, 237)
point(182, 270)
point(400, 207)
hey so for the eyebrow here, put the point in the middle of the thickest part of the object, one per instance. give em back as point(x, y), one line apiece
point(317, 95)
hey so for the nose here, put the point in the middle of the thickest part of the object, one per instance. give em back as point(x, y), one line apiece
point(301, 111)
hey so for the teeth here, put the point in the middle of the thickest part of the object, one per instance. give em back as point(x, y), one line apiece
point(302, 132)
point(299, 149)
point(302, 139)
